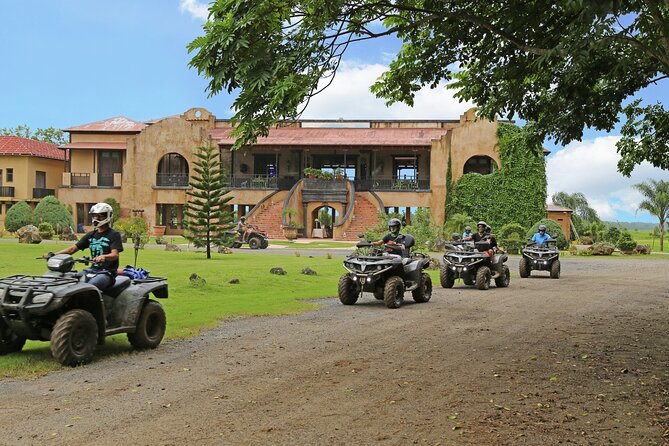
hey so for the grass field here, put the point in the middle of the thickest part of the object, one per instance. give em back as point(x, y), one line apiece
point(644, 238)
point(190, 309)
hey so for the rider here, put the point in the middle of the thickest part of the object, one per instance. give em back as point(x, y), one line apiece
point(540, 238)
point(483, 235)
point(241, 228)
point(467, 235)
point(455, 236)
point(394, 226)
point(105, 245)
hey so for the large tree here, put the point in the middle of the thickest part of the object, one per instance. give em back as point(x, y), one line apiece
point(583, 214)
point(655, 202)
point(564, 64)
point(207, 216)
point(49, 134)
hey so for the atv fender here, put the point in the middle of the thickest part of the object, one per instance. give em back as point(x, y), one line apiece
point(87, 297)
point(128, 305)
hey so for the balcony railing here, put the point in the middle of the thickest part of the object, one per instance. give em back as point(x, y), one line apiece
point(392, 184)
point(172, 179)
point(253, 182)
point(6, 191)
point(39, 192)
point(105, 180)
point(80, 179)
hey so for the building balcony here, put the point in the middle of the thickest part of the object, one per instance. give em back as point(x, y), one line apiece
point(393, 184)
point(172, 180)
point(91, 180)
point(253, 182)
point(6, 191)
point(39, 192)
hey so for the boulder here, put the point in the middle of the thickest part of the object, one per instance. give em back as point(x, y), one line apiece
point(196, 280)
point(233, 281)
point(602, 249)
point(278, 271)
point(68, 235)
point(29, 234)
point(308, 271)
point(224, 250)
point(172, 247)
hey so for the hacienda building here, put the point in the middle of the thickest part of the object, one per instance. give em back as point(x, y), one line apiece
point(385, 166)
point(29, 171)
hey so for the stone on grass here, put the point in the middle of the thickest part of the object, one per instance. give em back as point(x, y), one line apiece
point(29, 234)
point(308, 271)
point(233, 281)
point(278, 270)
point(196, 280)
point(172, 247)
point(224, 250)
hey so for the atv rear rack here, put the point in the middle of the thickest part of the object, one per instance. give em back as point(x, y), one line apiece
point(150, 279)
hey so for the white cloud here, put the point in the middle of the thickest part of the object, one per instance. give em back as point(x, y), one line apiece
point(590, 167)
point(349, 97)
point(194, 8)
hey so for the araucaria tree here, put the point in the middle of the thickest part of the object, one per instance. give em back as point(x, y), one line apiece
point(206, 214)
point(563, 64)
point(656, 202)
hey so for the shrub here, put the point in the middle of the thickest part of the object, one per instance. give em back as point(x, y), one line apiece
point(134, 227)
point(50, 210)
point(18, 216)
point(511, 237)
point(626, 243)
point(553, 229)
point(421, 228)
point(587, 240)
point(45, 230)
point(116, 208)
point(611, 235)
point(457, 223)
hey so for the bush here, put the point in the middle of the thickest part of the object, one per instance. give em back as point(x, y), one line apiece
point(457, 223)
point(553, 229)
point(50, 210)
point(18, 216)
point(587, 240)
point(626, 243)
point(134, 227)
point(611, 235)
point(45, 230)
point(116, 208)
point(421, 228)
point(511, 237)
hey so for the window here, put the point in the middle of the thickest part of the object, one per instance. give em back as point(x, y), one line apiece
point(265, 164)
point(109, 163)
point(480, 164)
point(406, 167)
point(169, 215)
point(82, 215)
point(10, 175)
point(40, 180)
point(172, 171)
point(0, 177)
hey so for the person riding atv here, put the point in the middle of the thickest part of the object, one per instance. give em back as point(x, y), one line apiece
point(541, 254)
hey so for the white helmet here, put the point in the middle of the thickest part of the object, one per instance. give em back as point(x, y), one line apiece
point(104, 209)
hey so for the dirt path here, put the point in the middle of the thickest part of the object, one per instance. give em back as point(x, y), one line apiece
point(582, 360)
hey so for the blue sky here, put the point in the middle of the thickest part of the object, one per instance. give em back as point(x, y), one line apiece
point(70, 62)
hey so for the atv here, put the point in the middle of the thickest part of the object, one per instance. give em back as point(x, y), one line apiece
point(469, 261)
point(256, 238)
point(59, 306)
point(541, 257)
point(387, 273)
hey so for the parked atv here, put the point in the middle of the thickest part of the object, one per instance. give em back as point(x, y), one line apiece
point(540, 257)
point(256, 238)
point(469, 261)
point(387, 273)
point(59, 306)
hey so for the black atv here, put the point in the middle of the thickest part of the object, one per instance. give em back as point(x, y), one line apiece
point(540, 257)
point(469, 261)
point(256, 238)
point(387, 273)
point(59, 306)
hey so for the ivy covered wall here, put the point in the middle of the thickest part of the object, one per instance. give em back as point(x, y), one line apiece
point(516, 193)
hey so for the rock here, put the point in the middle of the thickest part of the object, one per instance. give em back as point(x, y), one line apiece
point(440, 244)
point(224, 250)
point(602, 249)
point(68, 235)
point(172, 247)
point(642, 249)
point(278, 270)
point(233, 281)
point(196, 280)
point(308, 271)
point(29, 234)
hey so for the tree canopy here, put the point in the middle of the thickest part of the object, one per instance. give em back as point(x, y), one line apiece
point(563, 64)
point(655, 202)
point(49, 134)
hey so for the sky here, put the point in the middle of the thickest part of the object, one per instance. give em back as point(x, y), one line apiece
point(71, 62)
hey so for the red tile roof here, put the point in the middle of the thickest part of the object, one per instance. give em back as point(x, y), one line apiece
point(16, 145)
point(118, 124)
point(97, 145)
point(339, 136)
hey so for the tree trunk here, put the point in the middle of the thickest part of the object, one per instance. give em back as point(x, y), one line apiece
point(661, 236)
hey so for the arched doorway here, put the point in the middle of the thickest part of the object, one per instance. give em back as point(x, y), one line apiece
point(323, 219)
point(481, 164)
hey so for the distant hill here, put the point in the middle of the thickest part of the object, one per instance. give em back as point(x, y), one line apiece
point(633, 225)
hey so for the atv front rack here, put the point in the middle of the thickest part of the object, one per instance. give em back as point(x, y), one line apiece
point(41, 283)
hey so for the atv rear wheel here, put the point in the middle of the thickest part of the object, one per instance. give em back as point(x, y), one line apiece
point(524, 268)
point(348, 290)
point(446, 277)
point(74, 337)
point(236, 244)
point(10, 342)
point(555, 270)
point(255, 242)
point(504, 279)
point(393, 292)
point(424, 291)
point(264, 244)
point(150, 326)
point(483, 278)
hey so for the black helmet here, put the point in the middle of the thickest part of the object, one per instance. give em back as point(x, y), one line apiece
point(394, 226)
point(455, 236)
point(243, 219)
point(542, 228)
point(468, 228)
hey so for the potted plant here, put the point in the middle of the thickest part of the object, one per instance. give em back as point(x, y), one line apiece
point(311, 172)
point(290, 226)
point(339, 173)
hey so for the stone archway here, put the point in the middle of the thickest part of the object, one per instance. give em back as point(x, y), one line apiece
point(314, 227)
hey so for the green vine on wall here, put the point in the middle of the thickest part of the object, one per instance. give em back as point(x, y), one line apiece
point(516, 193)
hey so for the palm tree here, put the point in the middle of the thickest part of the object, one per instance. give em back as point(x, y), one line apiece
point(583, 213)
point(656, 202)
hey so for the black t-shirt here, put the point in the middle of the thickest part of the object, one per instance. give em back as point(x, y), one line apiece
point(390, 237)
point(485, 237)
point(102, 243)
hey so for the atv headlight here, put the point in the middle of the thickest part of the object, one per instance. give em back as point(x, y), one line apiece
point(42, 299)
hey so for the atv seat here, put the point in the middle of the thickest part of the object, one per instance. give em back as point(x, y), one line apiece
point(121, 283)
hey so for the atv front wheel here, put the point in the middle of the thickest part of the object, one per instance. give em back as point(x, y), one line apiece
point(446, 277)
point(393, 292)
point(74, 337)
point(483, 278)
point(10, 342)
point(348, 290)
point(255, 242)
point(264, 244)
point(150, 326)
point(236, 244)
point(524, 268)
point(503, 280)
point(555, 270)
point(424, 291)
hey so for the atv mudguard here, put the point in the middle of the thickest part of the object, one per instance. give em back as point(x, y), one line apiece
point(128, 305)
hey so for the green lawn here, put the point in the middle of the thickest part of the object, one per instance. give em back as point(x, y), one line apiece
point(644, 238)
point(190, 309)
